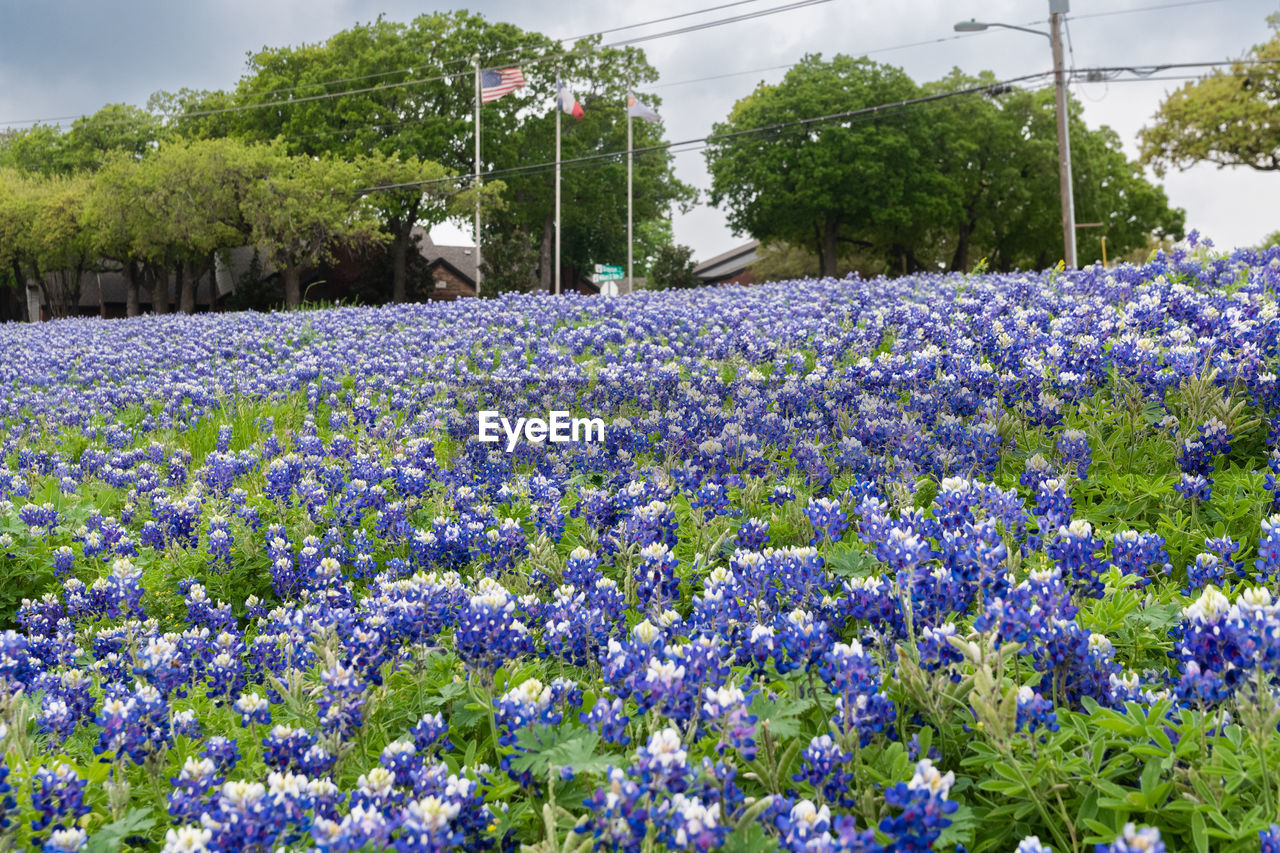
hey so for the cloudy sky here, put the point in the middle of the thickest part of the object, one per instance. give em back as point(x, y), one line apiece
point(64, 58)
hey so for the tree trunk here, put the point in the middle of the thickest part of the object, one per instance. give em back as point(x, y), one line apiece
point(159, 289)
point(292, 278)
point(399, 261)
point(20, 282)
point(830, 247)
point(130, 274)
point(39, 299)
point(187, 288)
point(544, 258)
point(960, 260)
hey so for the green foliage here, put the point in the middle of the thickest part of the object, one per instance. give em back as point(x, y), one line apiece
point(782, 261)
point(47, 150)
point(510, 262)
point(109, 839)
point(299, 208)
point(923, 187)
point(818, 185)
point(672, 269)
point(1228, 117)
point(548, 749)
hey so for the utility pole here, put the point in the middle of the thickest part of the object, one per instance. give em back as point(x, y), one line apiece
point(631, 282)
point(559, 109)
point(1058, 8)
point(476, 59)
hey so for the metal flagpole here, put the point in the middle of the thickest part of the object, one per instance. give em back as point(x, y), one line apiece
point(476, 59)
point(630, 243)
point(559, 110)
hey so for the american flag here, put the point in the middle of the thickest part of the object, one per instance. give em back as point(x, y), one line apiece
point(494, 84)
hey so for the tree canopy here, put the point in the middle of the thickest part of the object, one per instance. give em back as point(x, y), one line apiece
point(820, 184)
point(925, 185)
point(396, 102)
point(1229, 117)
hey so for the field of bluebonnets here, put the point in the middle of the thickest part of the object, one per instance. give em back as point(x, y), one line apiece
point(982, 562)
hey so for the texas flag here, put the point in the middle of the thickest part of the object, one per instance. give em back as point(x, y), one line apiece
point(568, 102)
point(639, 110)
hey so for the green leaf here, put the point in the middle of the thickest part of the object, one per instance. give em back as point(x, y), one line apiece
point(1199, 833)
point(749, 837)
point(108, 839)
point(554, 747)
point(778, 714)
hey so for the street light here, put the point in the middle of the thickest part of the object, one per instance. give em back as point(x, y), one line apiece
point(1057, 8)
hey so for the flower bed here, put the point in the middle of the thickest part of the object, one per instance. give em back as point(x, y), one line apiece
point(943, 562)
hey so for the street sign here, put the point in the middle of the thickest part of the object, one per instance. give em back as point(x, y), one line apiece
point(604, 272)
point(609, 288)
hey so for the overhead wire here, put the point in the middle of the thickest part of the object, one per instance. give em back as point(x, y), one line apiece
point(448, 75)
point(716, 137)
point(517, 51)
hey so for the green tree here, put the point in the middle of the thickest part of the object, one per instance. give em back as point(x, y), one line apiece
point(1267, 242)
point(170, 213)
point(782, 261)
point(672, 269)
point(926, 186)
point(115, 210)
point(54, 243)
point(300, 209)
point(1227, 117)
point(510, 261)
point(593, 191)
point(1009, 196)
point(195, 113)
point(414, 191)
point(48, 150)
point(19, 198)
point(400, 107)
point(866, 180)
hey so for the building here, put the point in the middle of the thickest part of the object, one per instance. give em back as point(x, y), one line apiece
point(732, 267)
point(452, 268)
point(249, 280)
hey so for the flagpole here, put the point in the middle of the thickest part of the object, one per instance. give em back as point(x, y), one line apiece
point(559, 110)
point(476, 59)
point(631, 284)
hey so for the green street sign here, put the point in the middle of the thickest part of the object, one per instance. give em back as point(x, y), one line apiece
point(604, 272)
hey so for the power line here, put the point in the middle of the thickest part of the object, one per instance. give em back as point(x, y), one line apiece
point(515, 54)
point(660, 20)
point(797, 4)
point(517, 51)
point(716, 137)
point(792, 64)
point(465, 65)
point(1096, 74)
point(1144, 9)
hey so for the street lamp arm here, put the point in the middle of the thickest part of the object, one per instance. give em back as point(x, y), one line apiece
point(972, 26)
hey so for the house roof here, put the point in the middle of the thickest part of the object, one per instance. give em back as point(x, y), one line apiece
point(729, 263)
point(461, 258)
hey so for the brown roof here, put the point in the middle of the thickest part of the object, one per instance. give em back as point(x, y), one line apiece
point(727, 264)
point(461, 258)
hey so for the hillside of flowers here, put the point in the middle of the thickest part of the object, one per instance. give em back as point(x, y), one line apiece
point(957, 563)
